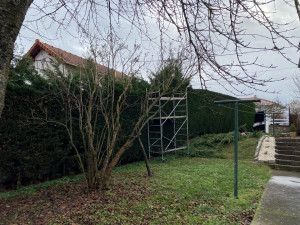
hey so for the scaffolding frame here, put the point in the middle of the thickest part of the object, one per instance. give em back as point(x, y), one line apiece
point(171, 109)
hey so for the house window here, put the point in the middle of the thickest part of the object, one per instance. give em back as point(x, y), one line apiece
point(44, 63)
point(51, 61)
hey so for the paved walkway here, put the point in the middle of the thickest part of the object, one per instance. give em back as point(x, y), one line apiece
point(281, 200)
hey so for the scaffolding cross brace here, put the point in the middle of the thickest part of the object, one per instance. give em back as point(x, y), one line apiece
point(168, 111)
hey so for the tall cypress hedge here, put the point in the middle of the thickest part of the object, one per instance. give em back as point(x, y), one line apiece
point(31, 151)
point(206, 117)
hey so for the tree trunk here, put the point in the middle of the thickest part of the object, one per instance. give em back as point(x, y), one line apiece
point(297, 5)
point(145, 158)
point(12, 14)
point(106, 173)
point(92, 172)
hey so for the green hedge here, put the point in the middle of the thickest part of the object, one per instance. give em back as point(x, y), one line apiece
point(206, 117)
point(31, 151)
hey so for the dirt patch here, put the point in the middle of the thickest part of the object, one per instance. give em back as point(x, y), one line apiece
point(69, 203)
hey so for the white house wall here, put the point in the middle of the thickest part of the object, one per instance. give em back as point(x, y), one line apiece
point(44, 61)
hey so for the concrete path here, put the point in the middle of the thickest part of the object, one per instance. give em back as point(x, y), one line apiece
point(281, 200)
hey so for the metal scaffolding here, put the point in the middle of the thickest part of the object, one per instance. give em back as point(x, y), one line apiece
point(168, 129)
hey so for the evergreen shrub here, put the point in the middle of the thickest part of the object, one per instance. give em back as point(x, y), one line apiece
point(32, 151)
point(206, 117)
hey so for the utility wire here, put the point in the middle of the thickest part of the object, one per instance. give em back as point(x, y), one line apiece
point(233, 109)
point(246, 105)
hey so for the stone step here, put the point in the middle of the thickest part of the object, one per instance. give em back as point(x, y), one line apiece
point(287, 140)
point(287, 152)
point(287, 143)
point(287, 162)
point(287, 157)
point(287, 148)
point(285, 167)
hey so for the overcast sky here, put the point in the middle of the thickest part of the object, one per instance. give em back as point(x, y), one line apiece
point(71, 42)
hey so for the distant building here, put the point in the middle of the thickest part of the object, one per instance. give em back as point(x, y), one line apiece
point(44, 56)
point(264, 104)
point(264, 118)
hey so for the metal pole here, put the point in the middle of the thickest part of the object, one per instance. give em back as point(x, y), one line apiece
point(265, 121)
point(149, 148)
point(161, 131)
point(148, 126)
point(273, 125)
point(187, 120)
point(174, 122)
point(236, 139)
point(289, 116)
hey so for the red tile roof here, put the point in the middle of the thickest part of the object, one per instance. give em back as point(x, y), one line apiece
point(262, 102)
point(62, 56)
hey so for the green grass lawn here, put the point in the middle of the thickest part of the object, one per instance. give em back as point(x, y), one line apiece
point(183, 190)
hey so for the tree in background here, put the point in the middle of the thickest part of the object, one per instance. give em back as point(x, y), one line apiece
point(294, 105)
point(294, 109)
point(169, 76)
point(97, 104)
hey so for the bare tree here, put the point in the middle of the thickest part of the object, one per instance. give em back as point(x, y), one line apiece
point(275, 107)
point(95, 107)
point(294, 111)
point(294, 105)
point(208, 30)
point(296, 86)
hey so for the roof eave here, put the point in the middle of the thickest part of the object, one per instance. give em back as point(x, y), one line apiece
point(42, 46)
